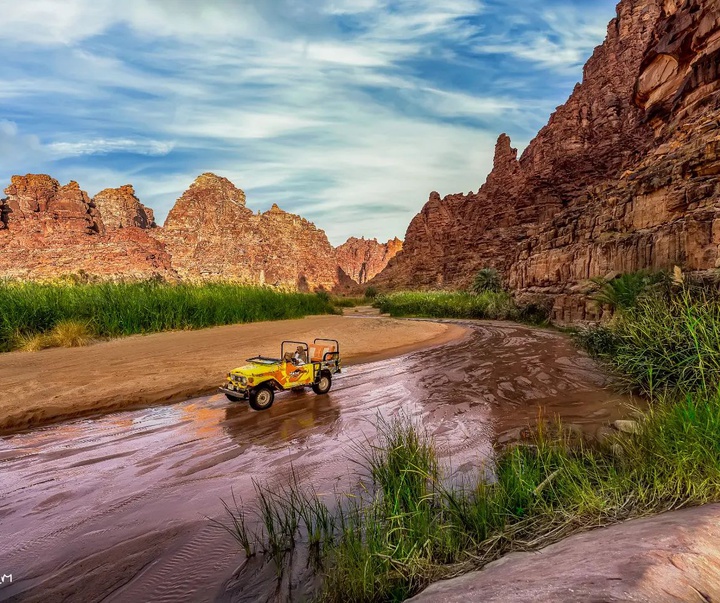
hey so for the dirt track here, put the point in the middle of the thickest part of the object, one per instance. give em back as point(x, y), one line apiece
point(42, 387)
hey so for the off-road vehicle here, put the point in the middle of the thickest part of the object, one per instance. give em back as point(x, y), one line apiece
point(304, 366)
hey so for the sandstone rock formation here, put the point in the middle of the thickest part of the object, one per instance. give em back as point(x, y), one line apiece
point(362, 259)
point(50, 230)
point(625, 176)
point(210, 233)
point(120, 208)
point(669, 558)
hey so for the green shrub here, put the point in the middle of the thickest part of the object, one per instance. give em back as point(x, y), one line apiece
point(29, 309)
point(669, 342)
point(599, 341)
point(487, 279)
point(371, 292)
point(623, 292)
point(448, 304)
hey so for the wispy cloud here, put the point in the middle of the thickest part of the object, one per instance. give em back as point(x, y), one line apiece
point(103, 146)
point(347, 111)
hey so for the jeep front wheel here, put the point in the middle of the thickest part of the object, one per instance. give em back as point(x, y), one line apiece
point(261, 398)
point(323, 384)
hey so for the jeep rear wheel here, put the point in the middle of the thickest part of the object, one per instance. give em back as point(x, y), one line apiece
point(261, 398)
point(323, 384)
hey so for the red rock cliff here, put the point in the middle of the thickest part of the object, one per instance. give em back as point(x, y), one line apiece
point(210, 233)
point(50, 230)
point(362, 259)
point(624, 176)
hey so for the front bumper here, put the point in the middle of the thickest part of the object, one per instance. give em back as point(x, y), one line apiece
point(240, 393)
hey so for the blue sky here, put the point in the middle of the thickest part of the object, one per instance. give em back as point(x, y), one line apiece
point(348, 112)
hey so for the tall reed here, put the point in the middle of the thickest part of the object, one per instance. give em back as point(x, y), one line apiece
point(113, 309)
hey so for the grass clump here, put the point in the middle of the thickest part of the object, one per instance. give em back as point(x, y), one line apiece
point(667, 341)
point(410, 524)
point(65, 334)
point(30, 310)
point(493, 305)
point(448, 304)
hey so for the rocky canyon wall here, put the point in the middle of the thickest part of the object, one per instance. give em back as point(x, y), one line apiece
point(48, 230)
point(625, 176)
point(362, 259)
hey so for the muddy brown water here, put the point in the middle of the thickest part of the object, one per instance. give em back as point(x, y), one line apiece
point(116, 508)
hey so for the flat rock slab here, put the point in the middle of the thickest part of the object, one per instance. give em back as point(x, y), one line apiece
point(673, 557)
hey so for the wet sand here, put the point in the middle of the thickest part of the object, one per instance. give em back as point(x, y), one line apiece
point(116, 508)
point(59, 384)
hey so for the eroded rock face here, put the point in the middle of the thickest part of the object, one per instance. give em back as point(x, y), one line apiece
point(120, 208)
point(37, 203)
point(625, 176)
point(51, 230)
point(211, 234)
point(362, 259)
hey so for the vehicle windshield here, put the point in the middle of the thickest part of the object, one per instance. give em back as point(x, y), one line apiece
point(263, 360)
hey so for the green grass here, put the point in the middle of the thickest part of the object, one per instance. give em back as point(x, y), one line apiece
point(447, 304)
point(493, 305)
point(409, 525)
point(29, 309)
point(349, 302)
point(668, 341)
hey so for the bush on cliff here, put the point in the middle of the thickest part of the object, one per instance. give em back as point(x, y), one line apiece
point(487, 279)
point(622, 293)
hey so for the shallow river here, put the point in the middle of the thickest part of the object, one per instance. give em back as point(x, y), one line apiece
point(116, 508)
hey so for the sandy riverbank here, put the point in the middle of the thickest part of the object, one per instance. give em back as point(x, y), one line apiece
point(59, 384)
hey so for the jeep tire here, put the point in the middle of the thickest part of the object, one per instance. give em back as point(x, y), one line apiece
point(261, 398)
point(323, 384)
point(233, 398)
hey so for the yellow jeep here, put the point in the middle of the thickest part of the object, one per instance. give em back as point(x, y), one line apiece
point(309, 366)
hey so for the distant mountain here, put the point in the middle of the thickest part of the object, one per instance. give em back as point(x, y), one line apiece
point(362, 259)
point(49, 230)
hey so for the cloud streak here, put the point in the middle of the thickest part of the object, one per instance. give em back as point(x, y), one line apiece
point(348, 112)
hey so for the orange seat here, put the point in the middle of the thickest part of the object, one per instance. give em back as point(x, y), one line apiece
point(318, 351)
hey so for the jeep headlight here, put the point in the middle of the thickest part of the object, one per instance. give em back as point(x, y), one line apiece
point(239, 379)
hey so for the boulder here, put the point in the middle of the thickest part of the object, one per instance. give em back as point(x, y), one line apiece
point(670, 558)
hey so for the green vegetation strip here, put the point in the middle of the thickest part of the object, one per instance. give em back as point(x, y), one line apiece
point(495, 305)
point(42, 314)
point(664, 337)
